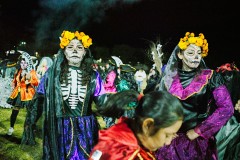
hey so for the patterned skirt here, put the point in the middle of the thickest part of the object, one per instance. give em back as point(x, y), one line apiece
point(79, 135)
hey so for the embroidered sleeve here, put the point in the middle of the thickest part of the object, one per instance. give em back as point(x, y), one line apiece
point(220, 116)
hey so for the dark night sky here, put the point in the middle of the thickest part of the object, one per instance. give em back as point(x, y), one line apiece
point(131, 22)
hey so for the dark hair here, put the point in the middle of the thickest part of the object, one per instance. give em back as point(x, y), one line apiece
point(231, 80)
point(161, 106)
point(20, 58)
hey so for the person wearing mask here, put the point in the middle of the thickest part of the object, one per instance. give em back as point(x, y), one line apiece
point(71, 86)
point(140, 76)
point(24, 82)
point(187, 78)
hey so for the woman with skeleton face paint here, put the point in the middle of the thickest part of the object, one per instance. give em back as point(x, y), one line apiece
point(187, 77)
point(23, 83)
point(71, 85)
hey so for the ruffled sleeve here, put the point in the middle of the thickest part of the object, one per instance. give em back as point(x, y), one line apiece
point(224, 109)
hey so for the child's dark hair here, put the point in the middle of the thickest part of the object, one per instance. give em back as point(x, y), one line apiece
point(161, 106)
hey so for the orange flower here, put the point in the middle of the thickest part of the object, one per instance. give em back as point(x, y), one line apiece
point(67, 36)
point(191, 39)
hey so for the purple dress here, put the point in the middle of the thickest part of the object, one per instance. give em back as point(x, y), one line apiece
point(71, 133)
point(195, 90)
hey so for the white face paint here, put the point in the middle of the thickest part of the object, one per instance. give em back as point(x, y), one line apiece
point(191, 57)
point(74, 52)
point(23, 64)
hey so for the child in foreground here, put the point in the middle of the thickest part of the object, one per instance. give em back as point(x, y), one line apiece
point(158, 116)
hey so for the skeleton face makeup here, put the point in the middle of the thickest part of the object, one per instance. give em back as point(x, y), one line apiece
point(191, 57)
point(74, 52)
point(23, 64)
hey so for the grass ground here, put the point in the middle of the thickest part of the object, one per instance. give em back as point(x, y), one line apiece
point(10, 146)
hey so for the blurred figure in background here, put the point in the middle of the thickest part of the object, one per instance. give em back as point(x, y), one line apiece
point(7, 68)
point(43, 66)
point(228, 137)
point(35, 108)
point(24, 82)
point(139, 76)
point(110, 83)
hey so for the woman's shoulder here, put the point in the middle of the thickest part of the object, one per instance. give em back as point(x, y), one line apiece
point(215, 78)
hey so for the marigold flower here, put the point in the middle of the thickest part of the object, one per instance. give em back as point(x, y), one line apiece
point(64, 42)
point(199, 42)
point(191, 39)
point(187, 33)
point(67, 36)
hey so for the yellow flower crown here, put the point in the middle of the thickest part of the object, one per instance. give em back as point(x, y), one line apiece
point(190, 39)
point(67, 36)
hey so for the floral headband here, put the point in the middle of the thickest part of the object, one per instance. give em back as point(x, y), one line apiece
point(67, 36)
point(199, 41)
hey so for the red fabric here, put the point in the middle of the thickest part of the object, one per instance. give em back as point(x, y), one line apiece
point(227, 67)
point(119, 143)
point(139, 97)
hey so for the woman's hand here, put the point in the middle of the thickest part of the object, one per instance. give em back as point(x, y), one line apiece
point(237, 106)
point(28, 77)
point(191, 134)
